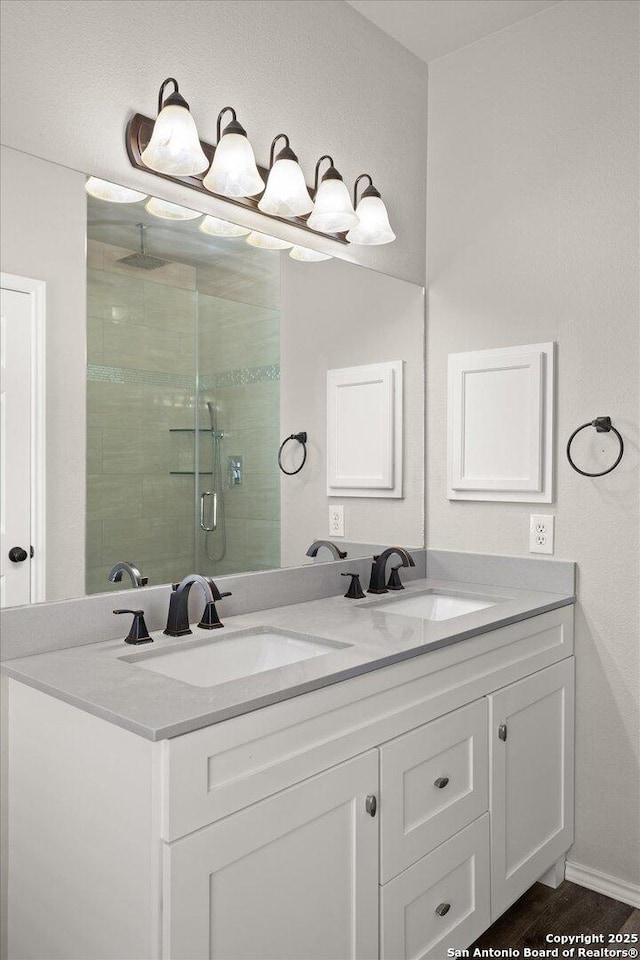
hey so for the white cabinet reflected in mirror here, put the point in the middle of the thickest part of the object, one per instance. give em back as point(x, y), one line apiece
point(203, 352)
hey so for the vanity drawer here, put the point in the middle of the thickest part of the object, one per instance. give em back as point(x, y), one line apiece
point(441, 901)
point(433, 782)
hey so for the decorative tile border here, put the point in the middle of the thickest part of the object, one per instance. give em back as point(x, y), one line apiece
point(228, 378)
point(238, 378)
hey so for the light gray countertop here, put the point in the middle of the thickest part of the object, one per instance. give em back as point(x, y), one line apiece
point(95, 678)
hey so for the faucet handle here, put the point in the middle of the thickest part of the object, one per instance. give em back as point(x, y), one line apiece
point(138, 632)
point(355, 591)
point(394, 582)
point(210, 619)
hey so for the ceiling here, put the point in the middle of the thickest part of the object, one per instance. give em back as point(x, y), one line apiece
point(434, 28)
point(227, 268)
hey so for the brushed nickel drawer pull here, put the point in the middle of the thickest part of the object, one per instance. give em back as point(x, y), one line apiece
point(441, 782)
point(443, 908)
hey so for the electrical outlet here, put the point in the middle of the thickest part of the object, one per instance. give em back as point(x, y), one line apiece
point(336, 521)
point(541, 531)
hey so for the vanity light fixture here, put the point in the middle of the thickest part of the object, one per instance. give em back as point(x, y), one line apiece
point(170, 211)
point(112, 192)
point(233, 172)
point(307, 255)
point(332, 211)
point(286, 194)
point(215, 227)
point(264, 242)
point(174, 147)
point(169, 146)
point(374, 227)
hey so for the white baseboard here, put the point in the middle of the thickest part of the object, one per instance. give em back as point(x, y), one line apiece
point(603, 883)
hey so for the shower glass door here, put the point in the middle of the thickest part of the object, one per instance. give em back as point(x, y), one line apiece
point(183, 400)
point(237, 510)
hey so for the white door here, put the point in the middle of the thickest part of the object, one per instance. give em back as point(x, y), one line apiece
point(15, 448)
point(531, 727)
point(293, 877)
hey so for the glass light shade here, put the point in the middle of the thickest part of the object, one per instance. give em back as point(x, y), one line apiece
point(307, 255)
point(113, 192)
point(174, 147)
point(170, 211)
point(233, 172)
point(265, 242)
point(374, 227)
point(222, 228)
point(286, 194)
point(333, 210)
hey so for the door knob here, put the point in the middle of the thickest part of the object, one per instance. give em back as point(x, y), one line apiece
point(441, 782)
point(502, 731)
point(18, 555)
point(443, 908)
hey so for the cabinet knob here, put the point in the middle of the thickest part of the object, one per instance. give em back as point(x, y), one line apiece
point(443, 908)
point(502, 731)
point(441, 782)
point(371, 805)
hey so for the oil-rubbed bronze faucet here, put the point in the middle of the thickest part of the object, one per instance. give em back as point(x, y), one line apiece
point(330, 545)
point(178, 619)
point(137, 580)
point(379, 568)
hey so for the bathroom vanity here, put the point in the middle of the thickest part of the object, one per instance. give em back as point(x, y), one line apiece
point(389, 798)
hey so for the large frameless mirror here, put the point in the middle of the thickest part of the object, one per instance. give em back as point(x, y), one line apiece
point(204, 354)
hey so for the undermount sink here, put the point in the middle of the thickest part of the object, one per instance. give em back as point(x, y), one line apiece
point(208, 662)
point(432, 605)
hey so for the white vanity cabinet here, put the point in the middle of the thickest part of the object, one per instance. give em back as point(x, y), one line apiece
point(291, 877)
point(531, 725)
point(523, 826)
point(257, 835)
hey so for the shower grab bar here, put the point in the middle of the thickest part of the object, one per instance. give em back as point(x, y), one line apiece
point(209, 493)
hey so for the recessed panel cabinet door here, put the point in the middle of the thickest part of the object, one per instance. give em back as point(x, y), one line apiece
point(290, 878)
point(531, 727)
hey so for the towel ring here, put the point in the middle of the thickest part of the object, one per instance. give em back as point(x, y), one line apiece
point(302, 440)
point(602, 425)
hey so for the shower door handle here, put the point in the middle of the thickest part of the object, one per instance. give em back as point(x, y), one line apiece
point(203, 497)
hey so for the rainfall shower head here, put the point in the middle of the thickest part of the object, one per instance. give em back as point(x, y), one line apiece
point(142, 260)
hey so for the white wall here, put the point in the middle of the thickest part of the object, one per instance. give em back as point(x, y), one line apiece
point(43, 237)
point(73, 73)
point(333, 315)
point(533, 236)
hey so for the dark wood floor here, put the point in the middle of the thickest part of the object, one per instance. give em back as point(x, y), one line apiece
point(568, 910)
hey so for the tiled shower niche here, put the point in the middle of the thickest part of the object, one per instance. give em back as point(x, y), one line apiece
point(161, 344)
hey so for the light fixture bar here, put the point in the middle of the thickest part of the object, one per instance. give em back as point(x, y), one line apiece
point(137, 136)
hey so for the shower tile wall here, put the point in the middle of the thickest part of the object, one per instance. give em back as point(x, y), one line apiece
point(141, 335)
point(239, 352)
point(143, 351)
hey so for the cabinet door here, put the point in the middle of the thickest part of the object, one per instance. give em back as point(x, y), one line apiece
point(531, 729)
point(294, 876)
